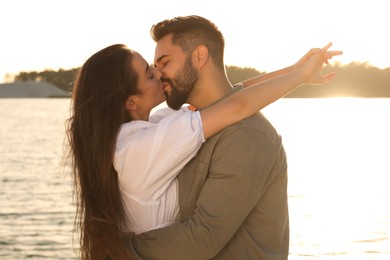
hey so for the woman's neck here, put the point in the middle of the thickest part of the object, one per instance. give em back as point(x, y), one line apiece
point(137, 115)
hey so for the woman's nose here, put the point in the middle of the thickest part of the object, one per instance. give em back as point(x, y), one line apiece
point(158, 74)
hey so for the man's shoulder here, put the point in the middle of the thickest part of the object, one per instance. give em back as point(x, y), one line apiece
point(257, 122)
point(256, 125)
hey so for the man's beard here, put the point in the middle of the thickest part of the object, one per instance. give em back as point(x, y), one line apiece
point(182, 85)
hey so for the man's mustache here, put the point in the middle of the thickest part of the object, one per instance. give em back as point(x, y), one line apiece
point(166, 81)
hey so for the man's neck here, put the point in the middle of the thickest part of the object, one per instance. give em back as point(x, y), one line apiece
point(206, 94)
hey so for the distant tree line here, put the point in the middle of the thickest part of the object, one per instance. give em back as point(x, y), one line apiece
point(61, 78)
point(353, 80)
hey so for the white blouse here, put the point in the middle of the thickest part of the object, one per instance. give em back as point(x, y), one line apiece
point(148, 157)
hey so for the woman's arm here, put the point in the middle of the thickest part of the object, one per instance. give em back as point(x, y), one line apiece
point(248, 101)
point(263, 77)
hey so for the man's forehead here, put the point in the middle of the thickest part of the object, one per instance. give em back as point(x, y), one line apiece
point(163, 47)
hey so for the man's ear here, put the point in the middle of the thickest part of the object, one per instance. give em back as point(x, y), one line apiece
point(201, 56)
point(131, 103)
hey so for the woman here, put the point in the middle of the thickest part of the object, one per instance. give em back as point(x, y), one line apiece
point(110, 128)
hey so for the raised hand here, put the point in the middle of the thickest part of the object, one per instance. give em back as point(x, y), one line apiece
point(312, 64)
point(329, 55)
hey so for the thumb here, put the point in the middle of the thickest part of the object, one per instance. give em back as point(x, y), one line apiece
point(329, 77)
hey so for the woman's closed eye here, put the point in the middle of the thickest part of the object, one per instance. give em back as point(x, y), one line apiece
point(151, 72)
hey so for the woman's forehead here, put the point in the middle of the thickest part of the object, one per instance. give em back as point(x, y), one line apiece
point(139, 63)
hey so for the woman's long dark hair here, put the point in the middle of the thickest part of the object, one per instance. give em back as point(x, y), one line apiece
point(102, 86)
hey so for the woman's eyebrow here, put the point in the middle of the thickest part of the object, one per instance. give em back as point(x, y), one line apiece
point(147, 68)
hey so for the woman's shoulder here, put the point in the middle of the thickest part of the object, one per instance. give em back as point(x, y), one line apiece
point(130, 128)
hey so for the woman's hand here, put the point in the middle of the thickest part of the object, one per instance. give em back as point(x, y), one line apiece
point(312, 63)
point(328, 55)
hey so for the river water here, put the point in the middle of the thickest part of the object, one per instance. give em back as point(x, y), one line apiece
point(339, 177)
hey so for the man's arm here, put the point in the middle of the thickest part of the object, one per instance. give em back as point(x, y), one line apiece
point(235, 183)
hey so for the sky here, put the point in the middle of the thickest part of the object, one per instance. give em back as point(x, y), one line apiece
point(265, 35)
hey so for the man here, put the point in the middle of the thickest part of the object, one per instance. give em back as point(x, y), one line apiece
point(233, 194)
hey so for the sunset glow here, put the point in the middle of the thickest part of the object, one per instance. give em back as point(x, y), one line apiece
point(266, 35)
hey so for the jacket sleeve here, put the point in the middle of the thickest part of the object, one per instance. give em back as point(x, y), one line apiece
point(238, 172)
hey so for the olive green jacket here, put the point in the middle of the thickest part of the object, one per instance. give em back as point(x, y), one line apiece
point(233, 200)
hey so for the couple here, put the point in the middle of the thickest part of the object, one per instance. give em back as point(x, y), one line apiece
point(201, 183)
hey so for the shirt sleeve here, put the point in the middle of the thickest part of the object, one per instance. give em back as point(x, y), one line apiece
point(160, 114)
point(155, 155)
